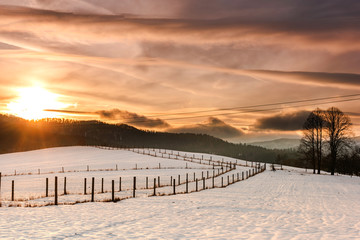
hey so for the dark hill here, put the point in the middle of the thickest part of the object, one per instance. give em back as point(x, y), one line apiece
point(17, 134)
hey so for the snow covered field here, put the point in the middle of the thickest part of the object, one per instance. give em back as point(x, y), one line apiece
point(288, 204)
point(34, 168)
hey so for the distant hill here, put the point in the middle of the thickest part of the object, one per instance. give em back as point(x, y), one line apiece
point(281, 143)
point(17, 134)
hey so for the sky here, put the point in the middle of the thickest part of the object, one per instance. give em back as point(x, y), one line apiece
point(240, 70)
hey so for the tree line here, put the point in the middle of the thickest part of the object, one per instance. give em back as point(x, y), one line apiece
point(17, 134)
point(319, 148)
point(327, 142)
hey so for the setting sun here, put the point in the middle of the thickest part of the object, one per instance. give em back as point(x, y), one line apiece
point(31, 103)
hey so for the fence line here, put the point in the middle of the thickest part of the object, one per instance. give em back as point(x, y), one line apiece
point(157, 186)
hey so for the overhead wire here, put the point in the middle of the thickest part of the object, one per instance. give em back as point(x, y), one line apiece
point(249, 110)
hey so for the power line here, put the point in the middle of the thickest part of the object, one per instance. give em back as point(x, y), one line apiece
point(248, 110)
point(255, 106)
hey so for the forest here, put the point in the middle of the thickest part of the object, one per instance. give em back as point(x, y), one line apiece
point(17, 134)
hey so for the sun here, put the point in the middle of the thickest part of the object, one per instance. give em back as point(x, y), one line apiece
point(32, 101)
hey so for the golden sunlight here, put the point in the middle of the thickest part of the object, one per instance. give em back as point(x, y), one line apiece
point(32, 102)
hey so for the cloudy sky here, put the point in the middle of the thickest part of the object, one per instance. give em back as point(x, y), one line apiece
point(241, 70)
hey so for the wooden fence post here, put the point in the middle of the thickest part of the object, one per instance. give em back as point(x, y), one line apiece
point(119, 184)
point(194, 176)
point(12, 190)
point(242, 175)
point(84, 186)
point(87, 168)
point(159, 181)
point(204, 184)
point(196, 185)
point(174, 190)
point(47, 187)
point(228, 180)
point(202, 174)
point(171, 180)
point(187, 183)
point(154, 186)
point(222, 181)
point(64, 185)
point(113, 190)
point(147, 182)
point(92, 189)
point(39, 171)
point(134, 187)
point(179, 179)
point(56, 191)
point(102, 185)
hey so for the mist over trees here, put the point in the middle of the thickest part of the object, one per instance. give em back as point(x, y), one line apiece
point(327, 142)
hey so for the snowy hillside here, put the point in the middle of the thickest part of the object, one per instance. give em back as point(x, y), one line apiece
point(281, 143)
point(288, 204)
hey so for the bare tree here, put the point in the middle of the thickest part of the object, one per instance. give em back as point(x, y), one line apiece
point(307, 144)
point(318, 127)
point(311, 145)
point(338, 129)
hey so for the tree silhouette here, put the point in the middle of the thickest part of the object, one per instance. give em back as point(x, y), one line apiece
point(338, 129)
point(312, 140)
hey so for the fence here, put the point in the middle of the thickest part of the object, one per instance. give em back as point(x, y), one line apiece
point(222, 174)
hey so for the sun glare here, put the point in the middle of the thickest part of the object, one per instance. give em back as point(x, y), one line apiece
point(32, 102)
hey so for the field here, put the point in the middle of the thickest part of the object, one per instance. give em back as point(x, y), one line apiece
point(285, 204)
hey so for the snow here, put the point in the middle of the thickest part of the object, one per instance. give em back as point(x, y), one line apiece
point(287, 204)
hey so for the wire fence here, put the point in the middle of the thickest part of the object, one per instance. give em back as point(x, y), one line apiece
point(93, 185)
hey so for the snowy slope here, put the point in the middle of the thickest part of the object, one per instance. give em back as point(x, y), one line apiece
point(34, 168)
point(289, 204)
point(281, 143)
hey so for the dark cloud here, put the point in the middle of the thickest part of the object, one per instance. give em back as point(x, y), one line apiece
point(306, 32)
point(353, 114)
point(132, 118)
point(124, 116)
point(214, 127)
point(283, 122)
point(271, 10)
